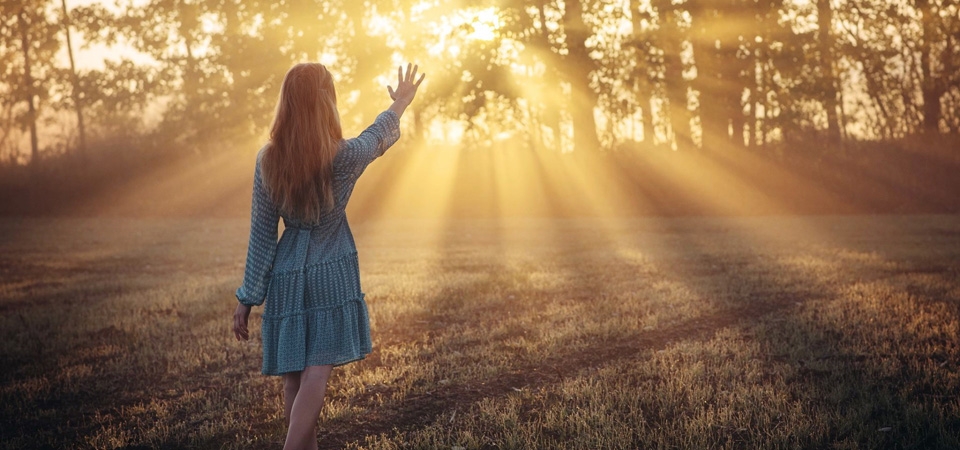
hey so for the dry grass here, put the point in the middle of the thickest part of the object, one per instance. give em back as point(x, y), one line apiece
point(830, 332)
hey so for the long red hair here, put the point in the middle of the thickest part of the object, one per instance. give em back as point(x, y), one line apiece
point(297, 166)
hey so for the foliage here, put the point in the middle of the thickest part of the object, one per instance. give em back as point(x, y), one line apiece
point(677, 73)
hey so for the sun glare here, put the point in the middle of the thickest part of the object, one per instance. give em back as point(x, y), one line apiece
point(485, 24)
point(460, 27)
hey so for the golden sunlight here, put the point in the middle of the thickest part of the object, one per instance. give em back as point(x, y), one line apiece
point(485, 24)
point(613, 224)
point(471, 24)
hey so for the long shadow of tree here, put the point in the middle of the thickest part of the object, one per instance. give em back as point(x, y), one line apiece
point(718, 263)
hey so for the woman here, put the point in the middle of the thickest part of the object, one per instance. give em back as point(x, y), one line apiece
point(314, 315)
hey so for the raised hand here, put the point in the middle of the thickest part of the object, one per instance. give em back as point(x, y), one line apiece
point(406, 87)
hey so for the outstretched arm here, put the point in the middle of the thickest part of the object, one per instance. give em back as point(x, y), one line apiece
point(406, 88)
point(385, 130)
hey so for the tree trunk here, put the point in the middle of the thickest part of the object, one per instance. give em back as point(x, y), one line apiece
point(719, 71)
point(647, 121)
point(28, 82)
point(642, 81)
point(195, 107)
point(675, 87)
point(549, 116)
point(732, 88)
point(931, 86)
point(757, 124)
point(713, 120)
point(828, 76)
point(418, 131)
point(578, 66)
point(676, 90)
point(77, 103)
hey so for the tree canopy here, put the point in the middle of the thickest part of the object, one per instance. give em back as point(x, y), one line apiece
point(571, 75)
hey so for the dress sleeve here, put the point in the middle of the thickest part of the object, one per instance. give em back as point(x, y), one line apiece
point(372, 142)
point(262, 246)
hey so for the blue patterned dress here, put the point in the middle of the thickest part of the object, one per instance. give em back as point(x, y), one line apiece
point(309, 282)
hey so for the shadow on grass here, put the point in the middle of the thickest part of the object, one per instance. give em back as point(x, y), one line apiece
point(828, 315)
point(874, 356)
point(740, 288)
point(99, 325)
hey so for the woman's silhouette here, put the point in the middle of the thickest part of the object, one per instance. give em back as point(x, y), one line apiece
point(314, 315)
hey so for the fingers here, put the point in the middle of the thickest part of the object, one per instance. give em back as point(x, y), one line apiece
point(240, 328)
point(409, 76)
point(242, 334)
point(406, 87)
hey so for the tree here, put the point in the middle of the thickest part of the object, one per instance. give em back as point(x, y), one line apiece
point(532, 27)
point(578, 67)
point(932, 43)
point(672, 36)
point(720, 66)
point(646, 76)
point(75, 82)
point(25, 43)
point(363, 56)
point(734, 72)
point(828, 79)
point(31, 37)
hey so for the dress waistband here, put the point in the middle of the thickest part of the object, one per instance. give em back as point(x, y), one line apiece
point(301, 226)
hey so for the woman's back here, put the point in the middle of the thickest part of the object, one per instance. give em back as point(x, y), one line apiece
point(315, 316)
point(310, 280)
point(331, 237)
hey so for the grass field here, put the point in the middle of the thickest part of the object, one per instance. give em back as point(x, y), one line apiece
point(769, 332)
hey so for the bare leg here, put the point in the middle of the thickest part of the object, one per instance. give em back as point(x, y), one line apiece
point(302, 433)
point(291, 385)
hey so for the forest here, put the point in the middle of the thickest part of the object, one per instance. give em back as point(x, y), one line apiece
point(828, 89)
point(607, 224)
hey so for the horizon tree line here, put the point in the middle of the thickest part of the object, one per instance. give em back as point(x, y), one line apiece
point(580, 75)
